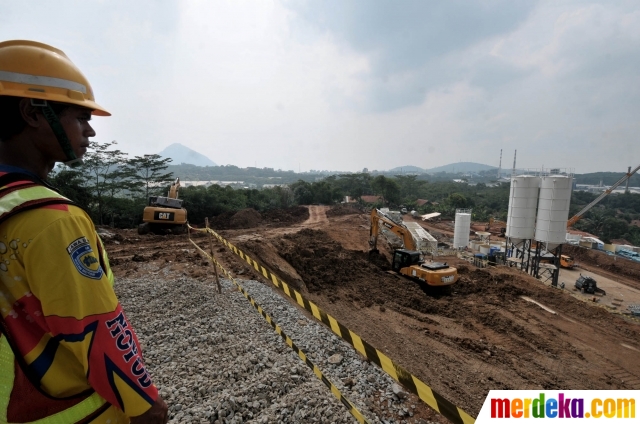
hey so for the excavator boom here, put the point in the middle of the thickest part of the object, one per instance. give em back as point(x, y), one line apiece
point(173, 190)
point(377, 219)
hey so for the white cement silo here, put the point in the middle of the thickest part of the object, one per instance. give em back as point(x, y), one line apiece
point(553, 209)
point(461, 228)
point(523, 201)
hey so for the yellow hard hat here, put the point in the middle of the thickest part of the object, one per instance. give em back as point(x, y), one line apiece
point(38, 71)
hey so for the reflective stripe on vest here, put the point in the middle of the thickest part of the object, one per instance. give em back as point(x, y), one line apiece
point(20, 196)
point(70, 415)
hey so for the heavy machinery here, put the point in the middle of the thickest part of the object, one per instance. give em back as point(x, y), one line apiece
point(588, 285)
point(409, 261)
point(566, 261)
point(164, 214)
point(584, 210)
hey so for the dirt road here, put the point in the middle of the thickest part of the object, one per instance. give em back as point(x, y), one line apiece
point(487, 335)
point(317, 215)
point(618, 296)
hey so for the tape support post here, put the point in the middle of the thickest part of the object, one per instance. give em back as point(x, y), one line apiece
point(332, 387)
point(429, 396)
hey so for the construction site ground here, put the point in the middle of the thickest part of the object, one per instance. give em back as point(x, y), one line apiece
point(498, 329)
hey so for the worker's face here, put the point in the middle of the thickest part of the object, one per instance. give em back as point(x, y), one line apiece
point(75, 121)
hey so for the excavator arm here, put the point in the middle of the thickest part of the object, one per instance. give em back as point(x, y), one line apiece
point(173, 190)
point(378, 219)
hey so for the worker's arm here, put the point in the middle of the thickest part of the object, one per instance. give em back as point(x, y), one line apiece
point(69, 277)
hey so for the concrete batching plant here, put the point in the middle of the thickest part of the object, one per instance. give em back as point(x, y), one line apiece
point(537, 222)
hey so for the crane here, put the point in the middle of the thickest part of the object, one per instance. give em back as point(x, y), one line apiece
point(575, 218)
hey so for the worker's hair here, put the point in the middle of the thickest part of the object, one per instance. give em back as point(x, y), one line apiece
point(11, 122)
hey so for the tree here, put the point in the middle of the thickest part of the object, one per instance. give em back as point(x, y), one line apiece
point(354, 185)
point(595, 223)
point(457, 201)
point(149, 172)
point(71, 184)
point(387, 188)
point(302, 192)
point(104, 170)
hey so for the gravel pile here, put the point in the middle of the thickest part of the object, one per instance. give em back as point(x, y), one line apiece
point(216, 360)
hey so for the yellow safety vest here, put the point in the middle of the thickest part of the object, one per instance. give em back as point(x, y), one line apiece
point(20, 192)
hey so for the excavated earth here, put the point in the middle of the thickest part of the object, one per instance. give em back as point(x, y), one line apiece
point(498, 329)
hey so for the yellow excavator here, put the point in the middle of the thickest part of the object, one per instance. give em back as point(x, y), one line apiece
point(164, 214)
point(409, 261)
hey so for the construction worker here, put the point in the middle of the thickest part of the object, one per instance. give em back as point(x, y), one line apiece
point(67, 352)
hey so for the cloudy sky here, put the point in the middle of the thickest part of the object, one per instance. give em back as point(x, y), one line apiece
point(344, 85)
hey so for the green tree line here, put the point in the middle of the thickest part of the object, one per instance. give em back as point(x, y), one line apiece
point(114, 189)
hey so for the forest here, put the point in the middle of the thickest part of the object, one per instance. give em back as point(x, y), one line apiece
point(114, 189)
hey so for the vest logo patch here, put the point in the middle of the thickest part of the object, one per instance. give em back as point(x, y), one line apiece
point(86, 264)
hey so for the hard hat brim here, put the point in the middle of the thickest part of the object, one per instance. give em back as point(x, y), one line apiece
point(96, 109)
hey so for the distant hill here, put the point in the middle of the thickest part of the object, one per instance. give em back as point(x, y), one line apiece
point(607, 178)
point(461, 167)
point(407, 169)
point(183, 154)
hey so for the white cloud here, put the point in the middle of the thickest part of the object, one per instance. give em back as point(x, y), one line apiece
point(334, 85)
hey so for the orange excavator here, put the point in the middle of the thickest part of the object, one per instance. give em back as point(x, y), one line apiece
point(409, 261)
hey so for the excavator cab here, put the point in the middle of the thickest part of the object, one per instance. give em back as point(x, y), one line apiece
point(403, 258)
point(164, 214)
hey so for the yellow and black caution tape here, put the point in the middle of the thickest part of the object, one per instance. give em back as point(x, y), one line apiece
point(336, 392)
point(411, 382)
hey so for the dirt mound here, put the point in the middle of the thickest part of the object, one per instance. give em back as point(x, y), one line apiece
point(326, 267)
point(251, 218)
point(222, 221)
point(232, 220)
point(286, 217)
point(245, 218)
point(616, 265)
point(340, 210)
point(360, 278)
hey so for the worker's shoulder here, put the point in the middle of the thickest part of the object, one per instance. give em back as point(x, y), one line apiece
point(33, 221)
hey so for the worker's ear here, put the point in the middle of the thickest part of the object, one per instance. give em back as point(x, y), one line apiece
point(29, 113)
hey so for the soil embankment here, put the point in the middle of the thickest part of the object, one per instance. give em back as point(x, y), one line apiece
point(488, 334)
point(251, 218)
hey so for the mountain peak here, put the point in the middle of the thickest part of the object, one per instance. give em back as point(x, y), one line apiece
point(180, 153)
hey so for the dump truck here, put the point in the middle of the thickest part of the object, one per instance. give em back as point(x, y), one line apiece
point(566, 261)
point(409, 261)
point(164, 215)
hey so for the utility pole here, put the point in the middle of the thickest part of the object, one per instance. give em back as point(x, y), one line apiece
point(513, 172)
point(500, 165)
